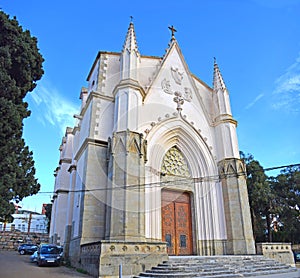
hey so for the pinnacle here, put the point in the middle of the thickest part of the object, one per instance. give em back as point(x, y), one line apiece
point(218, 82)
point(130, 43)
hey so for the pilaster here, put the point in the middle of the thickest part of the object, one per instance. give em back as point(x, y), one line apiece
point(236, 205)
point(126, 187)
point(125, 242)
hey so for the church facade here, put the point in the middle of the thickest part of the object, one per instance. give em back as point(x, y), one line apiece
point(151, 168)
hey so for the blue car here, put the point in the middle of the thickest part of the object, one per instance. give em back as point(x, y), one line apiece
point(297, 256)
point(49, 254)
point(34, 257)
point(27, 248)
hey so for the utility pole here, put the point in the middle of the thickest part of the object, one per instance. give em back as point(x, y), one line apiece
point(29, 222)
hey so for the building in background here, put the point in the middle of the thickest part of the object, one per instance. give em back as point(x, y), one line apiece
point(152, 167)
point(26, 222)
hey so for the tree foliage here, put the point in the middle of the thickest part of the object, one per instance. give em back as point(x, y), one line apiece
point(48, 215)
point(20, 68)
point(287, 188)
point(260, 198)
point(274, 202)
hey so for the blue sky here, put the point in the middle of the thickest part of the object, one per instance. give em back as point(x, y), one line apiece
point(256, 43)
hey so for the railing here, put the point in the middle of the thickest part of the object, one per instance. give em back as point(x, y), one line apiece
point(22, 230)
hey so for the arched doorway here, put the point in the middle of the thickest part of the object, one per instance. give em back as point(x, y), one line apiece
point(176, 204)
point(177, 222)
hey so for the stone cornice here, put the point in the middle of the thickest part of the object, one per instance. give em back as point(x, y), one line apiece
point(89, 141)
point(76, 129)
point(229, 167)
point(65, 160)
point(224, 118)
point(96, 60)
point(129, 83)
point(92, 95)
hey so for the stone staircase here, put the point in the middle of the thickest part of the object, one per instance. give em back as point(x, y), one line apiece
point(219, 266)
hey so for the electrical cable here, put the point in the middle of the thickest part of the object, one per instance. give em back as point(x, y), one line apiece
point(158, 184)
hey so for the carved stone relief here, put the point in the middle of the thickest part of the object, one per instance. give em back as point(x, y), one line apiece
point(187, 94)
point(178, 77)
point(165, 84)
point(175, 164)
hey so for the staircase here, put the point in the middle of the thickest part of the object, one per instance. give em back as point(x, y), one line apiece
point(220, 266)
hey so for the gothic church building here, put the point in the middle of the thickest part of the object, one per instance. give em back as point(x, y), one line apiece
point(151, 168)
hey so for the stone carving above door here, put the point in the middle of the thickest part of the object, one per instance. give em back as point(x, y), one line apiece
point(166, 86)
point(178, 77)
point(175, 164)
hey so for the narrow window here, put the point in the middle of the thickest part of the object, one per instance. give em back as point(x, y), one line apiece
point(183, 241)
point(169, 240)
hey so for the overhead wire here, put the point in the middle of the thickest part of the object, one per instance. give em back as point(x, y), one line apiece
point(158, 184)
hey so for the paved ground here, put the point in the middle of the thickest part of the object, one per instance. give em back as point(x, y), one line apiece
point(13, 265)
point(295, 275)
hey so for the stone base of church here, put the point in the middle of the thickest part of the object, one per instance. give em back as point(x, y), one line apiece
point(279, 251)
point(130, 257)
point(241, 247)
point(211, 247)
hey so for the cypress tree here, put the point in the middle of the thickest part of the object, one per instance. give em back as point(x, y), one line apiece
point(20, 69)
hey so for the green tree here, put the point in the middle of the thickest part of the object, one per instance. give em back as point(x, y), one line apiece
point(261, 199)
point(20, 68)
point(48, 215)
point(287, 189)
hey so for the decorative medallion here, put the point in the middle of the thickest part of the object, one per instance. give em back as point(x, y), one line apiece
point(178, 76)
point(165, 84)
point(187, 95)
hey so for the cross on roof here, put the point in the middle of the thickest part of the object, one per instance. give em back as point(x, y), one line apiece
point(131, 18)
point(173, 30)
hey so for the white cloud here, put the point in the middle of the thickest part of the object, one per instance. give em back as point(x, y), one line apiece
point(254, 101)
point(53, 108)
point(287, 91)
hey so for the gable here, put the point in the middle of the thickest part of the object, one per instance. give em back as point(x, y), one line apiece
point(173, 78)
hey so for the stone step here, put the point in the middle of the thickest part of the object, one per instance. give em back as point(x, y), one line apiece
point(218, 266)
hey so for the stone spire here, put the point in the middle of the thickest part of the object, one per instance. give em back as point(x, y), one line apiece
point(221, 92)
point(130, 55)
point(218, 82)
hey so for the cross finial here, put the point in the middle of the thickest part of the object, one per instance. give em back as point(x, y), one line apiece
point(173, 30)
point(131, 19)
point(215, 61)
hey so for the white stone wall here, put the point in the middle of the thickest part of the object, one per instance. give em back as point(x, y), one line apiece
point(200, 125)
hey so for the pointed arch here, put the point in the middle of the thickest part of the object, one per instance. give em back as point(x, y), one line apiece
point(208, 208)
point(174, 163)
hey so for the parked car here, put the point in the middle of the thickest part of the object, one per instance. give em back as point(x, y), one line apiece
point(61, 250)
point(297, 256)
point(49, 254)
point(27, 248)
point(34, 257)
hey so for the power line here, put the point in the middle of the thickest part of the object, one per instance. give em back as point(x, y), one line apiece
point(212, 178)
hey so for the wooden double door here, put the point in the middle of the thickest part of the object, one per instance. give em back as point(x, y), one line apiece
point(177, 222)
